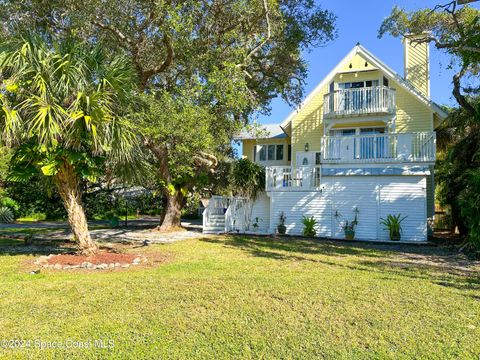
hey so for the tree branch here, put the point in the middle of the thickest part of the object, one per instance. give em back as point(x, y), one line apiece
point(462, 100)
point(167, 41)
point(264, 41)
point(160, 151)
point(440, 45)
point(114, 31)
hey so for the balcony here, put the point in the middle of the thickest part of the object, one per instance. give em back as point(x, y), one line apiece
point(303, 178)
point(376, 100)
point(379, 148)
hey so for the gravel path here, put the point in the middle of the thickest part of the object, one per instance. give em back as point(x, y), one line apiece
point(137, 231)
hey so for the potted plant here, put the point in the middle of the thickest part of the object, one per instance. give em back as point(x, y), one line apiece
point(393, 223)
point(256, 223)
point(281, 228)
point(309, 226)
point(349, 228)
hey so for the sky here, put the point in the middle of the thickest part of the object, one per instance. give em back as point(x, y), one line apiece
point(359, 21)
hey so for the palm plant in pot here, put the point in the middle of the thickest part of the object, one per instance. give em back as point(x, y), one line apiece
point(281, 228)
point(309, 224)
point(393, 223)
point(349, 228)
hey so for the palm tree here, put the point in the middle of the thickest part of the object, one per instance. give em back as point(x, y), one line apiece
point(63, 111)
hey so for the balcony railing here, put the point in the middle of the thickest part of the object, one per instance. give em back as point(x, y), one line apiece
point(379, 148)
point(283, 178)
point(367, 100)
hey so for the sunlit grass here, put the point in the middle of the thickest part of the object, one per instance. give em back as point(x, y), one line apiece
point(236, 297)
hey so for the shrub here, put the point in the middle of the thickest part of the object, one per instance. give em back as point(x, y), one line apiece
point(393, 223)
point(6, 215)
point(309, 226)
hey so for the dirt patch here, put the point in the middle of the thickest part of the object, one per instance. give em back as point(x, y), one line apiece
point(100, 261)
point(101, 258)
point(173, 229)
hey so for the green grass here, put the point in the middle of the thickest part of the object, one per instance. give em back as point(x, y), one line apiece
point(33, 218)
point(238, 297)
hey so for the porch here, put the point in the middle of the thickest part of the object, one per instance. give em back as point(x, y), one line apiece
point(379, 148)
point(376, 100)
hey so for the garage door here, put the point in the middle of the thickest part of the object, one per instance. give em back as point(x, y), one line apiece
point(353, 193)
point(404, 195)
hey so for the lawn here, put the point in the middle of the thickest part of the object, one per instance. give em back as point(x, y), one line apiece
point(239, 297)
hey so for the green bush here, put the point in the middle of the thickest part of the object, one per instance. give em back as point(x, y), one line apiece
point(8, 202)
point(6, 215)
point(309, 225)
point(470, 204)
point(35, 196)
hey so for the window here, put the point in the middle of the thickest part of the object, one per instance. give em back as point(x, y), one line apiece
point(279, 155)
point(385, 81)
point(262, 156)
point(344, 132)
point(289, 152)
point(271, 152)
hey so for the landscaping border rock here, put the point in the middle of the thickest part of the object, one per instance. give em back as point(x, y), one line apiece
point(43, 261)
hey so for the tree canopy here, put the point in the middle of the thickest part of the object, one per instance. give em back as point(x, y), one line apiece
point(204, 68)
point(456, 31)
point(63, 113)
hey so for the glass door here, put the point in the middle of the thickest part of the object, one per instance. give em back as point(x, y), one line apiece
point(371, 146)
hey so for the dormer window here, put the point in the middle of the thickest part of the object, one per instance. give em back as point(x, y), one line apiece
point(357, 84)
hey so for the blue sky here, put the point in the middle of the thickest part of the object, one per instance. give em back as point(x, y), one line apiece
point(359, 21)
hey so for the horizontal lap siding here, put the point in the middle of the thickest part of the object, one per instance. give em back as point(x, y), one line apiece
point(295, 205)
point(412, 114)
point(374, 196)
point(261, 209)
point(359, 192)
point(405, 195)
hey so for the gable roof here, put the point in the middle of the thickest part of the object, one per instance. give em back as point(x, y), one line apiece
point(273, 131)
point(389, 72)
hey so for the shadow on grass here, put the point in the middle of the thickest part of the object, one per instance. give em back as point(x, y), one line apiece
point(439, 265)
point(285, 247)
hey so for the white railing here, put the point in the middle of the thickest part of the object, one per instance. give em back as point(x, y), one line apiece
point(216, 206)
point(282, 178)
point(235, 216)
point(367, 100)
point(380, 148)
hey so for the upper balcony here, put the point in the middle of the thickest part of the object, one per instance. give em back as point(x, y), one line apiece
point(374, 100)
point(379, 148)
point(353, 153)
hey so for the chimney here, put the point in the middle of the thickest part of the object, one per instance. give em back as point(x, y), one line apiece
point(417, 64)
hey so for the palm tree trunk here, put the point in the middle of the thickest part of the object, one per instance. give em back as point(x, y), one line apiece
point(68, 187)
point(173, 211)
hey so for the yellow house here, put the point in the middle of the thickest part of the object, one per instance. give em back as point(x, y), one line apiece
point(360, 146)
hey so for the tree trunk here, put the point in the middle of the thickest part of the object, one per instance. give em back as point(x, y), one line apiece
point(69, 189)
point(173, 211)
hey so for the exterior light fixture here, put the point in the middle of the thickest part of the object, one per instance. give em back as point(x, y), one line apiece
point(307, 146)
point(366, 64)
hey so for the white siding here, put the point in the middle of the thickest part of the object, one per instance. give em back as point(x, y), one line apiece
point(360, 192)
point(374, 196)
point(261, 209)
point(296, 205)
point(405, 195)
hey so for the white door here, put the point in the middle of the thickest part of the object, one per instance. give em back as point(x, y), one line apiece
point(405, 195)
point(305, 158)
point(355, 195)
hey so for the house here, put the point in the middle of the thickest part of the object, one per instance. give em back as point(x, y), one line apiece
point(362, 144)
